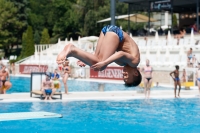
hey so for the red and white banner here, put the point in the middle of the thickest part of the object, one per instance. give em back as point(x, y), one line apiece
point(108, 73)
point(27, 69)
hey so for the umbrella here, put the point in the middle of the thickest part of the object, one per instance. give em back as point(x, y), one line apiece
point(92, 39)
point(133, 17)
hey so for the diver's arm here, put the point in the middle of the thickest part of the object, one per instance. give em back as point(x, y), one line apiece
point(120, 57)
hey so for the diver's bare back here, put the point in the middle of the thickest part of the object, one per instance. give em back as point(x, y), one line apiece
point(129, 46)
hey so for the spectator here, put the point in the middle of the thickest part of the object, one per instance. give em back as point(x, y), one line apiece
point(5, 80)
point(55, 77)
point(184, 76)
point(198, 77)
point(66, 72)
point(190, 56)
point(148, 70)
point(13, 68)
point(176, 80)
point(47, 87)
point(181, 34)
point(194, 27)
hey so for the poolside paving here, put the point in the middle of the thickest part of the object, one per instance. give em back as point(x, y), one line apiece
point(108, 95)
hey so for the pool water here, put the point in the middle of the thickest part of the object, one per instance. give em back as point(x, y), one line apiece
point(22, 84)
point(158, 115)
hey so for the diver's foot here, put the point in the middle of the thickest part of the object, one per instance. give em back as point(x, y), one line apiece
point(64, 54)
point(50, 98)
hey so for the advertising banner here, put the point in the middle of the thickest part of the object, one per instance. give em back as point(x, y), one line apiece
point(161, 5)
point(109, 73)
point(27, 69)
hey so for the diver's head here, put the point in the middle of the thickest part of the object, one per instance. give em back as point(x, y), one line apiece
point(131, 76)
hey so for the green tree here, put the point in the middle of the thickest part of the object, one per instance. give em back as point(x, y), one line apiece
point(37, 37)
point(45, 39)
point(29, 46)
point(9, 25)
point(22, 16)
point(23, 51)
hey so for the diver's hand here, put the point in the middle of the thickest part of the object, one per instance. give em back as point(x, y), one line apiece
point(99, 66)
point(80, 63)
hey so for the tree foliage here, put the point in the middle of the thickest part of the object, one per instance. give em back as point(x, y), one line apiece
point(45, 39)
point(28, 47)
point(9, 25)
point(174, 21)
point(23, 51)
point(61, 18)
point(37, 37)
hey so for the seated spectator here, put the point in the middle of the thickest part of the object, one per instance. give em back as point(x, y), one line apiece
point(190, 56)
point(194, 27)
point(181, 34)
point(47, 87)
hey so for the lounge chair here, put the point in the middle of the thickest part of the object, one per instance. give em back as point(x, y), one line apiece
point(36, 80)
point(38, 92)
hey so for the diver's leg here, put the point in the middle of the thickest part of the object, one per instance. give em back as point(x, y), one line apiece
point(101, 37)
point(109, 45)
point(71, 51)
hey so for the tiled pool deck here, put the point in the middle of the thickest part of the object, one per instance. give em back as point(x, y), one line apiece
point(108, 95)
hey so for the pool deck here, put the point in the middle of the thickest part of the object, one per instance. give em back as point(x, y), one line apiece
point(102, 95)
point(112, 95)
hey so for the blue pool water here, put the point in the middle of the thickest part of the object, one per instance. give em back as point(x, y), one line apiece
point(158, 116)
point(22, 84)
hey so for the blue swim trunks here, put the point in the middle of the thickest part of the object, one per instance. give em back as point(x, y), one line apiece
point(48, 91)
point(177, 79)
point(114, 29)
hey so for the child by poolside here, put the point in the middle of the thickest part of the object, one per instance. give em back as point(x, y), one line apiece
point(55, 77)
point(114, 45)
point(176, 80)
point(198, 77)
